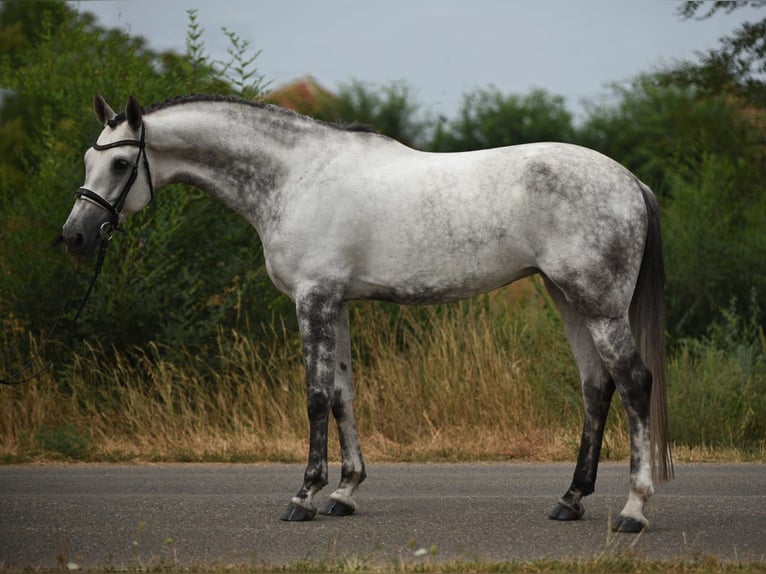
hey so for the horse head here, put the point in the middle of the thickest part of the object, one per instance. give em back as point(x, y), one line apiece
point(114, 186)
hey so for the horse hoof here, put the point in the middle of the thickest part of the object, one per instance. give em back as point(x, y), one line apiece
point(567, 512)
point(628, 524)
point(337, 508)
point(297, 513)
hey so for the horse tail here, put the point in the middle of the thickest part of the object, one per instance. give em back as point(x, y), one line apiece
point(647, 319)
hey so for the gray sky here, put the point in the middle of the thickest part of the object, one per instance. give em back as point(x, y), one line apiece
point(441, 48)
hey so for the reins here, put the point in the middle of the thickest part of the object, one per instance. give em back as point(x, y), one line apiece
point(105, 233)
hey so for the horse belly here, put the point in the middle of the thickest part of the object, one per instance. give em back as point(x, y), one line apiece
point(433, 257)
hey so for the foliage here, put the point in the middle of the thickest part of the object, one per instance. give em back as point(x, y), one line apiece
point(66, 440)
point(389, 109)
point(421, 383)
point(239, 70)
point(738, 66)
point(157, 282)
point(719, 383)
point(497, 368)
point(714, 220)
point(690, 8)
point(652, 126)
point(705, 157)
point(489, 118)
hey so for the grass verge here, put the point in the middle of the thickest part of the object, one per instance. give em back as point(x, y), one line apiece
point(488, 379)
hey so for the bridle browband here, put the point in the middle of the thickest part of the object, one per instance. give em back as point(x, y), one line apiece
point(115, 209)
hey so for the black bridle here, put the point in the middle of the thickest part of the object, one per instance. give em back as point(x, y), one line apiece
point(115, 209)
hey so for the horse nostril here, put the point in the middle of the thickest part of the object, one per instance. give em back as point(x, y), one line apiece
point(74, 241)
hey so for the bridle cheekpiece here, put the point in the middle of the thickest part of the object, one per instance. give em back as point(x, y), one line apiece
point(115, 209)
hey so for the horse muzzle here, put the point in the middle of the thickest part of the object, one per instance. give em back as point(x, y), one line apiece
point(81, 241)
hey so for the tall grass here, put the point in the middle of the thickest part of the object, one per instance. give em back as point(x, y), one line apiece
point(486, 379)
point(719, 385)
point(491, 378)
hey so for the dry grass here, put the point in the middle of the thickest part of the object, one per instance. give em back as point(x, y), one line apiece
point(448, 383)
point(490, 379)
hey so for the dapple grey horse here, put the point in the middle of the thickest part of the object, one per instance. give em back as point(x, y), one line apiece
point(345, 214)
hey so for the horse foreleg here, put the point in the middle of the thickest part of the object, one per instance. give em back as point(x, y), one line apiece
point(318, 314)
point(352, 471)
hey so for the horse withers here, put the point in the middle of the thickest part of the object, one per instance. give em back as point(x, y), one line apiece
point(345, 214)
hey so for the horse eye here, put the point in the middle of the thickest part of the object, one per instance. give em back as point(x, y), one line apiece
point(120, 164)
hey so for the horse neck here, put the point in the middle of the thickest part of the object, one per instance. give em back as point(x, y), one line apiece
point(239, 154)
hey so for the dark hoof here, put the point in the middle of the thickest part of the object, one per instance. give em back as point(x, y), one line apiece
point(297, 513)
point(627, 524)
point(567, 511)
point(337, 508)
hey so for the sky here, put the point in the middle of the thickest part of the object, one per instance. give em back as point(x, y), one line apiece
point(442, 49)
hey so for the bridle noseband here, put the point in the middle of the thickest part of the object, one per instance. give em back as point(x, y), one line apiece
point(114, 209)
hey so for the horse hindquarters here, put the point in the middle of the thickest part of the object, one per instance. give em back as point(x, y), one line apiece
point(607, 353)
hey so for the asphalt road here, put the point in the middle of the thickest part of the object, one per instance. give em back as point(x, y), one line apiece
point(115, 515)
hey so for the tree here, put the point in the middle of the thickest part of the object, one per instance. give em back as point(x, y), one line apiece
point(738, 66)
point(390, 109)
point(488, 118)
point(181, 269)
point(653, 124)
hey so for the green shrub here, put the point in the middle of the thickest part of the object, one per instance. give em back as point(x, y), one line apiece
point(66, 440)
point(718, 385)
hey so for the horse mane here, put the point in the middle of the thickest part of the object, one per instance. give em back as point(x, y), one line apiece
point(194, 98)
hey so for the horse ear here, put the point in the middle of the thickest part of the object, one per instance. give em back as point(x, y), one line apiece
point(133, 113)
point(104, 112)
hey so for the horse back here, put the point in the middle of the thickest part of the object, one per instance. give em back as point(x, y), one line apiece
point(420, 227)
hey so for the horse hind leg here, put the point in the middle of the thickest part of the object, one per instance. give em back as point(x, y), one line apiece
point(353, 471)
point(617, 349)
point(597, 390)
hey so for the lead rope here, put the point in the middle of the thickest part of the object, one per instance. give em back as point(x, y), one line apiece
point(13, 380)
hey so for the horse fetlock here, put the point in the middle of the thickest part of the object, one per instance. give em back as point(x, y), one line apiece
point(315, 479)
point(642, 489)
point(353, 474)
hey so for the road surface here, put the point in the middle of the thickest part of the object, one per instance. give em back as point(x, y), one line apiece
point(120, 515)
